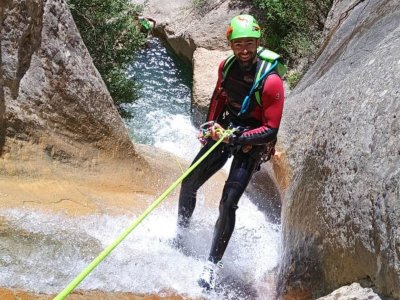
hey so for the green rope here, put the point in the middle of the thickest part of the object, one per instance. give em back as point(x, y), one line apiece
point(78, 279)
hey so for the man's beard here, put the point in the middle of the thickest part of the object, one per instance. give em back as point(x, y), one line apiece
point(247, 65)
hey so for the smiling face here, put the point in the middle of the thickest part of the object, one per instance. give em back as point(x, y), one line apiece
point(245, 51)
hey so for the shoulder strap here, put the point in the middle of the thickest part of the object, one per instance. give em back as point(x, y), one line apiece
point(227, 65)
point(264, 67)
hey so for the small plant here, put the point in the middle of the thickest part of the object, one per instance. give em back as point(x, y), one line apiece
point(199, 3)
point(293, 78)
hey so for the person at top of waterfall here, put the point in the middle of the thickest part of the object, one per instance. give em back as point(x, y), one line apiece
point(147, 25)
point(249, 148)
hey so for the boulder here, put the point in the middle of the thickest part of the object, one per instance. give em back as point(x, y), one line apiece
point(341, 212)
point(353, 291)
point(53, 96)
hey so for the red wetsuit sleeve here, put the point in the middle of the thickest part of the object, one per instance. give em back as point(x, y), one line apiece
point(272, 107)
point(217, 104)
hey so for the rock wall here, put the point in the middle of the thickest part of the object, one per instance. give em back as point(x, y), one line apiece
point(63, 145)
point(205, 75)
point(51, 94)
point(341, 213)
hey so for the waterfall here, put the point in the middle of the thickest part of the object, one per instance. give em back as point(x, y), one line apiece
point(43, 252)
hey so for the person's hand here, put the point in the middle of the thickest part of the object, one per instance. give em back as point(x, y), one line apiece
point(216, 133)
point(202, 138)
point(246, 148)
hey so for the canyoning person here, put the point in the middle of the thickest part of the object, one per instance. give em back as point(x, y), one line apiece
point(144, 24)
point(255, 111)
point(147, 25)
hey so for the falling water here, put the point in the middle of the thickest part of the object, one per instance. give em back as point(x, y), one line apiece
point(43, 253)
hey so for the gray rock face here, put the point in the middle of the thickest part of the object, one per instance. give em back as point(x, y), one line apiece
point(341, 128)
point(52, 95)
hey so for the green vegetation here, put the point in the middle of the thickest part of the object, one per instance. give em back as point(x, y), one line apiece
point(292, 27)
point(110, 31)
point(199, 3)
point(293, 77)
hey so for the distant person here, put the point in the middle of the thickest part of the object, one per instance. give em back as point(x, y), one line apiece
point(147, 25)
point(236, 102)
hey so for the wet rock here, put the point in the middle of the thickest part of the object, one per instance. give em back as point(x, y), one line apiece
point(79, 295)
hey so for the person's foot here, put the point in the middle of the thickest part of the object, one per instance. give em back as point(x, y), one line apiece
point(177, 242)
point(208, 278)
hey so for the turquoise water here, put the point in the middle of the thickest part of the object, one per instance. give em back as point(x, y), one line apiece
point(161, 115)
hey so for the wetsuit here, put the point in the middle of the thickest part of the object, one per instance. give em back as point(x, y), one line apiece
point(261, 123)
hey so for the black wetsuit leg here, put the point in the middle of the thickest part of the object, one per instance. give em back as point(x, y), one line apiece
point(243, 166)
point(208, 167)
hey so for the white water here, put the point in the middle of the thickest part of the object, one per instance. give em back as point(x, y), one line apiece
point(52, 250)
point(43, 253)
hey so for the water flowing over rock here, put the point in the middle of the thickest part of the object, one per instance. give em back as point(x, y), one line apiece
point(340, 130)
point(63, 146)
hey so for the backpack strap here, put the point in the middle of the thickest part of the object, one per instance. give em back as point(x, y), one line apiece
point(271, 56)
point(268, 58)
point(227, 65)
point(257, 81)
point(263, 67)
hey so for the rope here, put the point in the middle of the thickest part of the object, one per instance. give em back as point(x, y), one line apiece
point(81, 276)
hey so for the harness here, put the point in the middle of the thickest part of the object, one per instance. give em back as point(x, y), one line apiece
point(269, 63)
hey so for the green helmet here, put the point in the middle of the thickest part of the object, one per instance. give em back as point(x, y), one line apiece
point(243, 26)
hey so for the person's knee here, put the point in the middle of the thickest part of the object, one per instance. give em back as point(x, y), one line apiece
point(189, 184)
point(230, 196)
